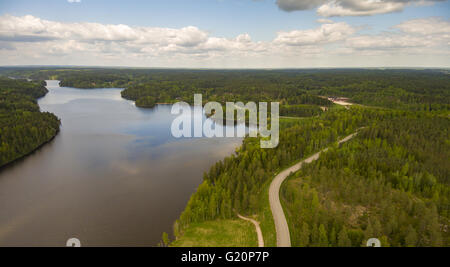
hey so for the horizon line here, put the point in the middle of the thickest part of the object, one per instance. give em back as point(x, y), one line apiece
point(218, 68)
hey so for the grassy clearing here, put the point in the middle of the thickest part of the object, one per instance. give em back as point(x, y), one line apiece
point(336, 107)
point(219, 233)
point(232, 233)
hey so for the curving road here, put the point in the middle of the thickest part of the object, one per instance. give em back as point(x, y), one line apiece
point(281, 225)
point(258, 230)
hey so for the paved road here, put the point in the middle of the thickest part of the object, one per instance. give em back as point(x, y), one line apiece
point(281, 225)
point(258, 230)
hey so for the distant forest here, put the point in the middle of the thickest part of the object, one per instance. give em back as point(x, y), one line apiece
point(426, 90)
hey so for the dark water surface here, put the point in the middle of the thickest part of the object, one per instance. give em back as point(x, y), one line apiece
point(114, 176)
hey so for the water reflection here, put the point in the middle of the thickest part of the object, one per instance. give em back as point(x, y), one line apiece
point(113, 176)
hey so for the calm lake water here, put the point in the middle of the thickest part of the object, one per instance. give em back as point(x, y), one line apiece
point(114, 176)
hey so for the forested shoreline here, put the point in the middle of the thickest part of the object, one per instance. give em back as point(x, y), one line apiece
point(23, 128)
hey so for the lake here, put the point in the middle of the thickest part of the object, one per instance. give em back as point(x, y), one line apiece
point(114, 175)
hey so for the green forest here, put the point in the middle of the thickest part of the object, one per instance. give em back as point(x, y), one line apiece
point(300, 110)
point(391, 182)
point(23, 128)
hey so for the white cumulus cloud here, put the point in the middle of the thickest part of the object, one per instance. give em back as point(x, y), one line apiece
point(31, 40)
point(326, 33)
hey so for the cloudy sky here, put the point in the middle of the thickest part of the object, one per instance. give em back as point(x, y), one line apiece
point(226, 33)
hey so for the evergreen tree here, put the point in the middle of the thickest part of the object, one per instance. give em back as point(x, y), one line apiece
point(304, 235)
point(323, 236)
point(343, 240)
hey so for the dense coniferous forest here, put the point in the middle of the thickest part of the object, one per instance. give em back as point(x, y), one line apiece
point(23, 128)
point(391, 182)
point(300, 110)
